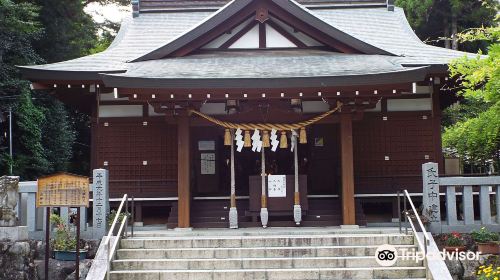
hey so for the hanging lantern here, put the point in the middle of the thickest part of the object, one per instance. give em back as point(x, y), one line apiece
point(303, 136)
point(247, 139)
point(283, 140)
point(265, 139)
point(227, 137)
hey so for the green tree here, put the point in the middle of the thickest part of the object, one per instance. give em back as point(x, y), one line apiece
point(68, 31)
point(439, 21)
point(30, 160)
point(18, 28)
point(58, 134)
point(477, 138)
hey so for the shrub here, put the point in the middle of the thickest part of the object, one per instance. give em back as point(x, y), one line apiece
point(484, 235)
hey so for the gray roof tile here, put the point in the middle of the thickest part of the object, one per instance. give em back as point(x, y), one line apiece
point(263, 64)
point(387, 30)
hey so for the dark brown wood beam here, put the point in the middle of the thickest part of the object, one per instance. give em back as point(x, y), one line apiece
point(262, 35)
point(312, 32)
point(183, 170)
point(436, 126)
point(229, 24)
point(145, 94)
point(286, 34)
point(347, 163)
point(238, 35)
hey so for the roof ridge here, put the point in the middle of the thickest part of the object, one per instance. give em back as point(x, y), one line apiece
point(145, 6)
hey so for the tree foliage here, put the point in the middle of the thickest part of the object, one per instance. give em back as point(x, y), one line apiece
point(68, 31)
point(439, 21)
point(58, 134)
point(477, 138)
point(34, 32)
point(30, 160)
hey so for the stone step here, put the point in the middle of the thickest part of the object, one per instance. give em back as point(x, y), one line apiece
point(252, 252)
point(274, 274)
point(162, 232)
point(254, 263)
point(265, 241)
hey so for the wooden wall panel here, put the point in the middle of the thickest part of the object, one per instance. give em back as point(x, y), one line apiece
point(405, 137)
point(125, 143)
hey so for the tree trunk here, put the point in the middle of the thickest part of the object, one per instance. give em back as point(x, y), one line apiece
point(447, 42)
point(454, 31)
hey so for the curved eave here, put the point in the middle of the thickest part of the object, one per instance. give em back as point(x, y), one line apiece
point(36, 74)
point(404, 76)
point(434, 68)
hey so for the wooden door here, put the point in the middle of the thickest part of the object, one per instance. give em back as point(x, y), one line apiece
point(207, 147)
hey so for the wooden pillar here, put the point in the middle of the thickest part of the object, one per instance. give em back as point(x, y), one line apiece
point(183, 167)
point(348, 210)
point(436, 126)
point(138, 214)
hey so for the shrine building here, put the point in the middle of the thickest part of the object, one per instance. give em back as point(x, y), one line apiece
point(260, 112)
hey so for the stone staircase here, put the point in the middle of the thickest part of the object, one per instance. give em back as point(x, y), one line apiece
point(290, 253)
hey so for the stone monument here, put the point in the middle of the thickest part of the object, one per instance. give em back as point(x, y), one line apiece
point(9, 190)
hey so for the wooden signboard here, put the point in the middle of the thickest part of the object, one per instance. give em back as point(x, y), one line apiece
point(63, 190)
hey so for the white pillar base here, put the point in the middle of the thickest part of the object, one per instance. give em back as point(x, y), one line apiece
point(264, 217)
point(349, 226)
point(297, 214)
point(183, 229)
point(233, 217)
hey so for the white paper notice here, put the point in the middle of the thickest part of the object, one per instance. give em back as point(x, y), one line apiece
point(276, 186)
point(207, 164)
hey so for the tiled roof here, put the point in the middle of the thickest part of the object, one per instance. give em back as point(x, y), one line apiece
point(261, 64)
point(229, 68)
point(384, 29)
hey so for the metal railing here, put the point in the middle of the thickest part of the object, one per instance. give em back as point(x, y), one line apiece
point(122, 232)
point(408, 218)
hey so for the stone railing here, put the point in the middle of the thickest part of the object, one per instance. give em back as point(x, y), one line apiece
point(470, 192)
point(34, 218)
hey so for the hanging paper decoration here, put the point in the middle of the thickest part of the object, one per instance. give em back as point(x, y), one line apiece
point(274, 140)
point(227, 137)
point(294, 140)
point(248, 141)
point(265, 139)
point(283, 140)
point(256, 142)
point(239, 140)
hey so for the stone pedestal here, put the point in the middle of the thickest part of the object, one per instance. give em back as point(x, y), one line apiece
point(18, 233)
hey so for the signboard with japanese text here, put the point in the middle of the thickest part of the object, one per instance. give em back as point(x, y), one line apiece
point(100, 203)
point(207, 163)
point(276, 185)
point(63, 190)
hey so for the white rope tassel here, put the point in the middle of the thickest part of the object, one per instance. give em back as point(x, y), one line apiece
point(233, 212)
point(264, 215)
point(297, 210)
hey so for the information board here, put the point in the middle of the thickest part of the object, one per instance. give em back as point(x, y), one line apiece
point(207, 163)
point(276, 186)
point(63, 190)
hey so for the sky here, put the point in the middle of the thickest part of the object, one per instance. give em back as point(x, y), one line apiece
point(110, 12)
